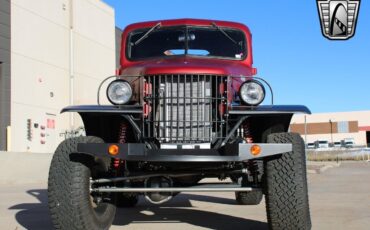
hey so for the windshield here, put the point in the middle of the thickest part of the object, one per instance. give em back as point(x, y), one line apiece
point(195, 41)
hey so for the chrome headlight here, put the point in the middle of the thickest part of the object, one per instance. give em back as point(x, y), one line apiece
point(252, 92)
point(119, 92)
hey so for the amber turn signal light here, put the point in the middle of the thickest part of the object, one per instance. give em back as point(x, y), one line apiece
point(113, 150)
point(255, 150)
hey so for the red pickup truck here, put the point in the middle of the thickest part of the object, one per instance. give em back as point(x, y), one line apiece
point(186, 106)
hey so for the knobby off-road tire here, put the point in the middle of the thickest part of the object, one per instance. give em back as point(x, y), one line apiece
point(286, 186)
point(248, 198)
point(70, 204)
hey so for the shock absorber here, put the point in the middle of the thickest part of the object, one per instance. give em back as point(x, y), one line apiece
point(122, 135)
point(247, 133)
point(122, 139)
point(252, 165)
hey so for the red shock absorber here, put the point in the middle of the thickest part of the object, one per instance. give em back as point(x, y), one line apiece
point(251, 165)
point(122, 135)
point(122, 139)
point(247, 134)
point(116, 163)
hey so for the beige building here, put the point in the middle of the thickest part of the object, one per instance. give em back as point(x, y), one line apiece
point(334, 127)
point(60, 51)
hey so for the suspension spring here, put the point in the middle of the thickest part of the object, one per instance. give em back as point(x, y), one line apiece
point(252, 166)
point(116, 163)
point(247, 133)
point(122, 139)
point(122, 135)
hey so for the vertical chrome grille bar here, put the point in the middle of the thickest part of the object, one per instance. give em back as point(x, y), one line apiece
point(177, 110)
point(165, 107)
point(225, 101)
point(210, 109)
point(198, 96)
point(184, 111)
point(171, 107)
point(215, 92)
point(203, 107)
point(218, 105)
point(154, 110)
point(191, 107)
point(228, 78)
point(160, 102)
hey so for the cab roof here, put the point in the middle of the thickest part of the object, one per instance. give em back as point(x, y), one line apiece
point(189, 22)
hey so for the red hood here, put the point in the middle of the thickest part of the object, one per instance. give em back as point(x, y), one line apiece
point(192, 65)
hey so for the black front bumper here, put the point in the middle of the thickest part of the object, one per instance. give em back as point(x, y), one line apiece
point(228, 153)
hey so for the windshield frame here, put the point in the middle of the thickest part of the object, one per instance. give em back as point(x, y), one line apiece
point(186, 28)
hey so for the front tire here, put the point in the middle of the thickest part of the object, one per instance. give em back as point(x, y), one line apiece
point(286, 185)
point(70, 203)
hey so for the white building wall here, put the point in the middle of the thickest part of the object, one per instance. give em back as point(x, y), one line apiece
point(41, 62)
point(94, 48)
point(363, 118)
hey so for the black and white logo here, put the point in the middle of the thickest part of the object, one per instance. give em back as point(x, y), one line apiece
point(338, 18)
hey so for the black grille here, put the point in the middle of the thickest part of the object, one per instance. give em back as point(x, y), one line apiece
point(185, 108)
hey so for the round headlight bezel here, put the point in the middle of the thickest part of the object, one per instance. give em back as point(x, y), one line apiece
point(254, 82)
point(111, 85)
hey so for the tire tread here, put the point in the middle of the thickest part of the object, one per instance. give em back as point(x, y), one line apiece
point(68, 198)
point(286, 186)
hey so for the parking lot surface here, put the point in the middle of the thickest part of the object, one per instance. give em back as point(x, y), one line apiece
point(339, 199)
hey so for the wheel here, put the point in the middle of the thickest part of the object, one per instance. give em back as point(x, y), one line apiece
point(286, 185)
point(248, 198)
point(71, 204)
point(126, 200)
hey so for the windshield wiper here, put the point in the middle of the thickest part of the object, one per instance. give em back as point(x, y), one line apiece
point(224, 33)
point(158, 25)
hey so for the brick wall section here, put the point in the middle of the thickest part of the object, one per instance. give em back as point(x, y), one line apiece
point(322, 128)
point(4, 70)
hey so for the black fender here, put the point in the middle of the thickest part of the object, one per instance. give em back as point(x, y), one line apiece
point(267, 119)
point(103, 120)
point(268, 110)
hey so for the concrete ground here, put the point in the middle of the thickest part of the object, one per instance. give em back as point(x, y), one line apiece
point(339, 199)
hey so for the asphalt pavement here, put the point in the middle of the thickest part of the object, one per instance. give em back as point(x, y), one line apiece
point(339, 199)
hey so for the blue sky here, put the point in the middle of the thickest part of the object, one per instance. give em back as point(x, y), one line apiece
point(289, 49)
